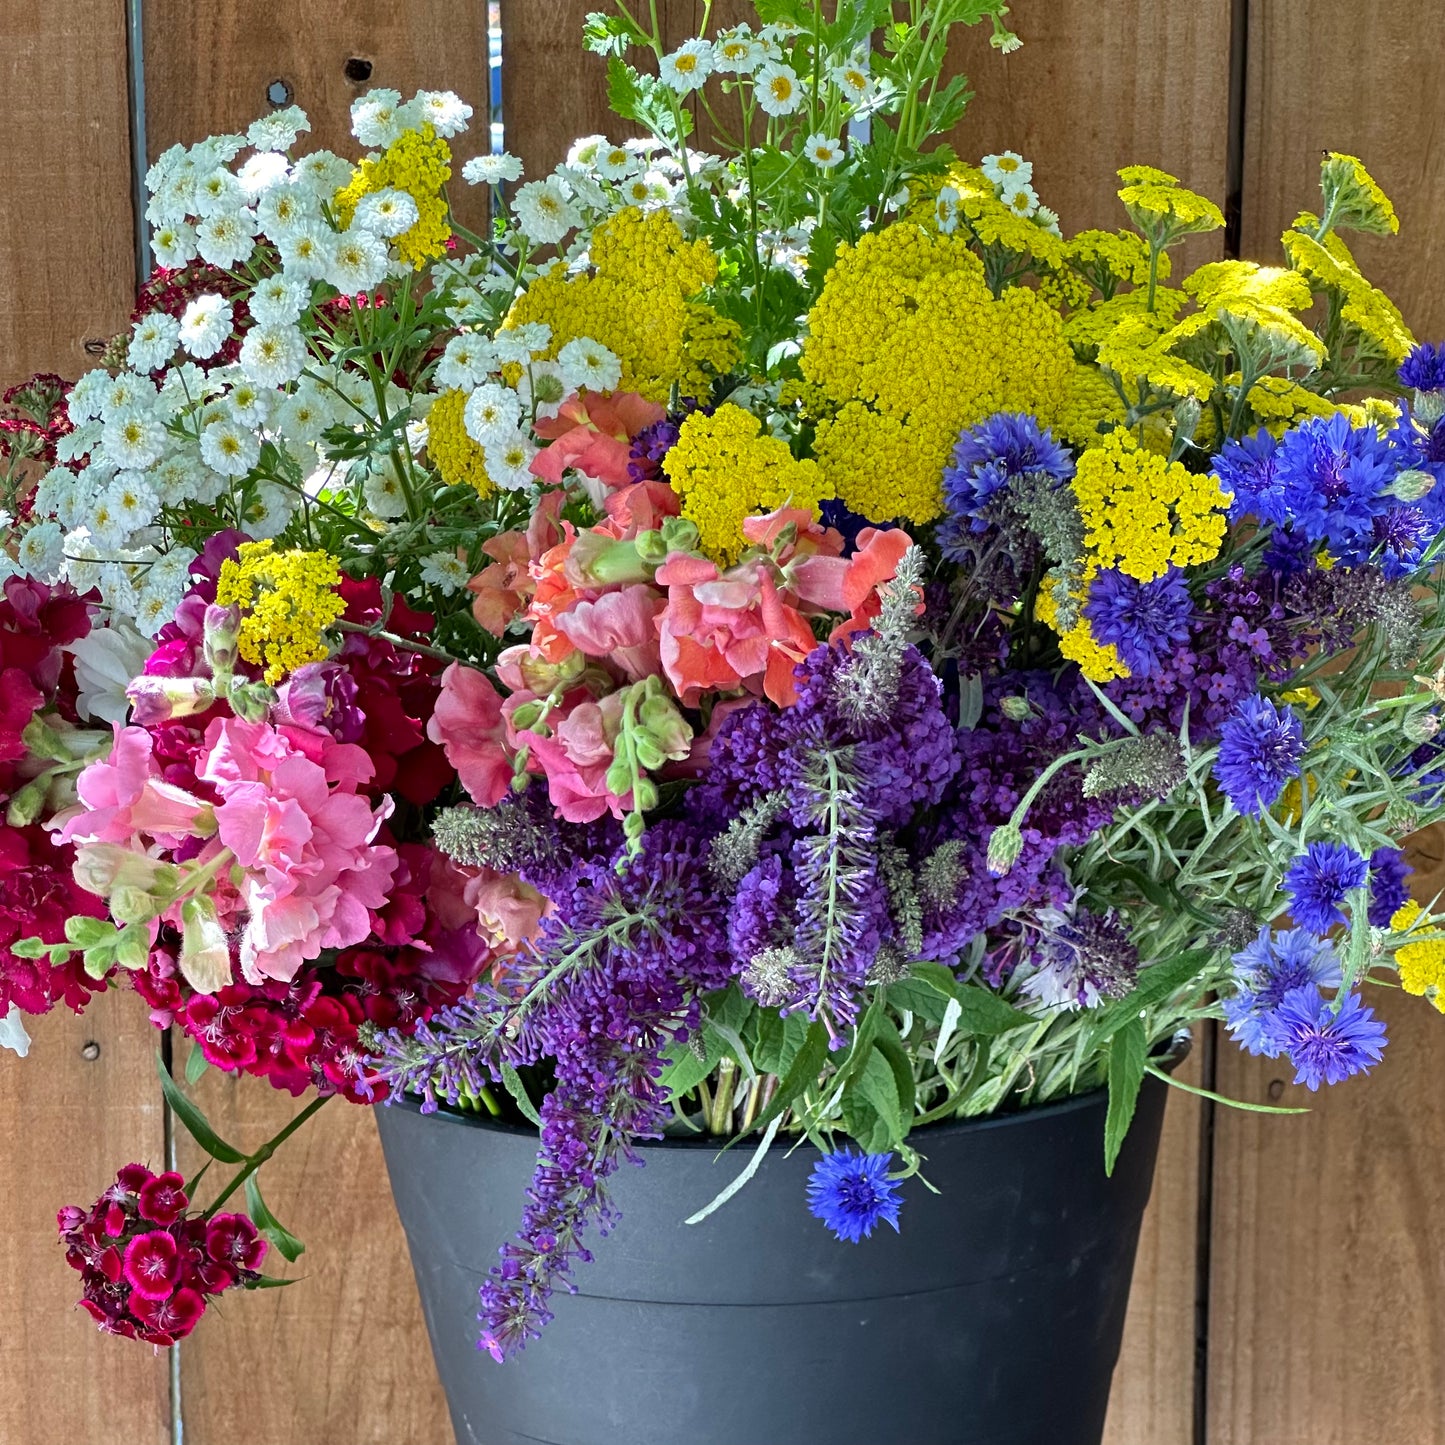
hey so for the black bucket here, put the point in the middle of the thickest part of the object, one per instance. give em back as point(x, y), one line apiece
point(993, 1318)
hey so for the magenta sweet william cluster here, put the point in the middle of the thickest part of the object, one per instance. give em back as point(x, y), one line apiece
point(148, 1266)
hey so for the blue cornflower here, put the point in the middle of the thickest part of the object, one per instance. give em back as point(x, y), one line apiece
point(1268, 969)
point(1247, 469)
point(851, 1192)
point(1319, 880)
point(1420, 446)
point(1389, 885)
point(1260, 747)
point(1326, 1042)
point(1141, 619)
point(1334, 478)
point(1401, 536)
point(987, 457)
point(1424, 368)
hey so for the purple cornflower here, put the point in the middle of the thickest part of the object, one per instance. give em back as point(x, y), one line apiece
point(1326, 1042)
point(1076, 959)
point(1142, 619)
point(1319, 880)
point(1424, 368)
point(851, 1193)
point(1268, 969)
point(1389, 885)
point(1260, 748)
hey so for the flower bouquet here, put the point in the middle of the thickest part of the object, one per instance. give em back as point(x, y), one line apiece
point(777, 644)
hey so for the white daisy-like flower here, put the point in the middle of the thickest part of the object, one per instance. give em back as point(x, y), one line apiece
point(306, 251)
point(778, 89)
point(229, 447)
point(184, 385)
point(227, 238)
point(52, 491)
point(358, 262)
point(384, 495)
point(172, 570)
point(509, 460)
point(278, 300)
point(1020, 198)
point(945, 210)
point(467, 362)
point(521, 343)
point(323, 172)
point(102, 524)
point(583, 152)
point(823, 150)
point(151, 610)
point(175, 200)
point(780, 32)
point(277, 131)
point(245, 400)
point(738, 51)
point(85, 399)
point(853, 80)
point(172, 477)
point(72, 507)
point(273, 355)
point(173, 244)
point(304, 415)
point(74, 445)
point(1048, 220)
point(217, 150)
point(118, 583)
point(542, 390)
point(283, 208)
point(586, 190)
point(268, 511)
point(82, 558)
point(262, 173)
point(544, 211)
point(126, 391)
point(217, 192)
point(688, 67)
point(42, 551)
point(387, 212)
point(588, 363)
point(153, 341)
point(375, 118)
point(647, 191)
point(1007, 167)
point(492, 410)
point(129, 503)
point(615, 163)
point(445, 571)
point(206, 326)
point(133, 438)
point(492, 170)
point(164, 167)
point(447, 114)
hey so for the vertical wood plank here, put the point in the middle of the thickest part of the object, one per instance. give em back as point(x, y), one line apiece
point(67, 1123)
point(67, 272)
point(1364, 77)
point(341, 1358)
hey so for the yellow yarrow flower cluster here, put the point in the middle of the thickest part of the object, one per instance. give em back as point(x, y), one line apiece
point(1092, 409)
point(419, 163)
point(1331, 267)
point(974, 206)
point(726, 468)
point(910, 347)
point(1162, 209)
point(287, 601)
point(640, 300)
point(1143, 514)
point(1090, 328)
point(1422, 964)
point(1279, 402)
point(1098, 661)
point(452, 451)
point(1353, 198)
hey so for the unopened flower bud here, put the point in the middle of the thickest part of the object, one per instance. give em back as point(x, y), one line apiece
point(1412, 484)
point(1016, 709)
point(1420, 727)
point(596, 560)
point(129, 904)
point(221, 639)
point(1429, 407)
point(26, 804)
point(1004, 848)
point(251, 701)
point(159, 699)
point(101, 868)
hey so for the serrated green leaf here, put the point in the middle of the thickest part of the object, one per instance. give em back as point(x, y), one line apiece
point(291, 1248)
point(778, 1041)
point(920, 998)
point(609, 34)
point(193, 1120)
point(512, 1082)
point(1128, 1056)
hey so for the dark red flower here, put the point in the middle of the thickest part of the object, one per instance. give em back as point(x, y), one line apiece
point(153, 1264)
point(232, 1239)
point(163, 1199)
point(169, 1319)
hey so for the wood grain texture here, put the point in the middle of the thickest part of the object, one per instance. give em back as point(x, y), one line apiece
point(67, 271)
point(1101, 84)
point(341, 1358)
point(241, 46)
point(67, 1123)
point(1365, 77)
point(1327, 1303)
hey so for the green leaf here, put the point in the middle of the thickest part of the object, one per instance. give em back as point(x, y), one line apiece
point(269, 1281)
point(1128, 1056)
point(196, 1064)
point(193, 1120)
point(646, 100)
point(890, 1045)
point(685, 1070)
point(86, 932)
point(609, 34)
point(290, 1247)
point(778, 1041)
point(30, 948)
point(802, 1074)
point(1156, 983)
point(518, 1090)
point(915, 996)
point(980, 1011)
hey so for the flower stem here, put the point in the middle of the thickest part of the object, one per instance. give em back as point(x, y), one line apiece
point(256, 1160)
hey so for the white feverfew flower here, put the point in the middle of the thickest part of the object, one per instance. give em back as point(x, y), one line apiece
point(82, 559)
point(945, 210)
point(74, 506)
point(521, 343)
point(492, 410)
point(358, 262)
point(322, 172)
point(227, 238)
point(492, 170)
point(375, 118)
point(127, 391)
point(615, 163)
point(151, 609)
point(509, 460)
point(467, 362)
point(206, 326)
point(216, 193)
point(172, 570)
point(1020, 198)
point(823, 151)
point(268, 511)
point(52, 492)
point(688, 67)
point(134, 438)
point(386, 212)
point(42, 551)
point(173, 245)
point(229, 447)
point(278, 131)
point(447, 114)
point(262, 173)
point(1006, 168)
point(273, 355)
point(587, 363)
point(647, 191)
point(153, 341)
point(384, 496)
point(84, 402)
point(738, 51)
point(544, 211)
point(133, 500)
point(542, 390)
point(1048, 220)
point(173, 479)
point(304, 415)
point(183, 387)
point(778, 89)
point(247, 400)
point(278, 301)
point(445, 571)
point(585, 189)
point(285, 207)
point(853, 80)
point(584, 151)
point(306, 251)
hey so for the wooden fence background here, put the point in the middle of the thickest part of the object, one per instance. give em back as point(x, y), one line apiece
point(1291, 1283)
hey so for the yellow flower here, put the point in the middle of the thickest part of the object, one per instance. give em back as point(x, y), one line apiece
point(725, 468)
point(641, 300)
point(1092, 402)
point(1109, 257)
point(1332, 269)
point(909, 347)
point(1353, 199)
point(1143, 514)
point(1162, 209)
point(287, 601)
point(986, 218)
point(1422, 964)
point(452, 451)
point(1098, 661)
point(1088, 329)
point(419, 163)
